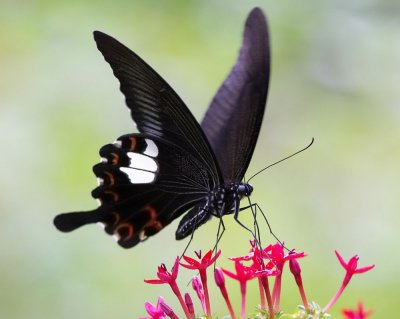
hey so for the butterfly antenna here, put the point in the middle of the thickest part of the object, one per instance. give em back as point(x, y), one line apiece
point(283, 159)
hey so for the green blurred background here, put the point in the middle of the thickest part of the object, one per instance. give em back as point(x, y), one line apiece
point(335, 77)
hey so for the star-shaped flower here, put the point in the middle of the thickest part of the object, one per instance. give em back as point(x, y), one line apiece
point(155, 312)
point(351, 267)
point(206, 261)
point(164, 276)
point(360, 313)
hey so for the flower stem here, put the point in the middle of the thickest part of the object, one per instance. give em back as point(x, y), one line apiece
point(265, 283)
point(220, 282)
point(203, 277)
point(276, 294)
point(334, 298)
point(303, 297)
point(178, 294)
point(296, 271)
point(262, 294)
point(243, 292)
point(228, 302)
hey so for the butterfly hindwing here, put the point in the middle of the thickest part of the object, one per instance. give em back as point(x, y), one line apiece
point(143, 186)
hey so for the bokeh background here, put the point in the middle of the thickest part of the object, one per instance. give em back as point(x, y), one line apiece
point(335, 77)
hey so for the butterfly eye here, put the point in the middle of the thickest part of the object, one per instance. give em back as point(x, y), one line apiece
point(244, 190)
point(249, 189)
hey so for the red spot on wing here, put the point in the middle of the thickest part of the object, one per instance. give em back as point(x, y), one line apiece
point(110, 178)
point(125, 231)
point(115, 159)
point(133, 143)
point(117, 218)
point(153, 225)
point(114, 195)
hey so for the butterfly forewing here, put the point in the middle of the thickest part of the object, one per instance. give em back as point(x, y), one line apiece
point(233, 120)
point(155, 107)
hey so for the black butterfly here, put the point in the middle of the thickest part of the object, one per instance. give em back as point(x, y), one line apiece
point(173, 165)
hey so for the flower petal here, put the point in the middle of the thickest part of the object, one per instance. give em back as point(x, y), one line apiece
point(193, 264)
point(230, 274)
point(341, 260)
point(150, 308)
point(215, 257)
point(364, 269)
point(175, 269)
point(207, 256)
point(154, 281)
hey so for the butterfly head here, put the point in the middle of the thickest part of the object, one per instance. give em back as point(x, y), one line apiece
point(244, 190)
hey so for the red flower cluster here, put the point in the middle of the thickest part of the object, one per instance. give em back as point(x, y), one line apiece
point(260, 264)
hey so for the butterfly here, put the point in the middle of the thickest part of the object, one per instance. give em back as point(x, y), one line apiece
point(174, 166)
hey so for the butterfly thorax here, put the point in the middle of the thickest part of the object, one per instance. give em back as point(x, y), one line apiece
point(223, 198)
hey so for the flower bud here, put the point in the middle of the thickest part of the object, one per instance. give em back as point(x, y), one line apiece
point(168, 310)
point(219, 277)
point(189, 304)
point(296, 270)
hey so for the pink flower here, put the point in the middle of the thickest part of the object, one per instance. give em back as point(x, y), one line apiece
point(202, 266)
point(351, 267)
point(256, 255)
point(243, 274)
point(220, 282)
point(155, 312)
point(164, 276)
point(204, 262)
point(168, 310)
point(360, 313)
point(189, 304)
point(295, 269)
point(277, 256)
point(198, 288)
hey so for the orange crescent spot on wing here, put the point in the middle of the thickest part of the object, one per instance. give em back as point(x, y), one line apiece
point(113, 194)
point(110, 177)
point(133, 143)
point(117, 218)
point(115, 159)
point(153, 222)
point(129, 229)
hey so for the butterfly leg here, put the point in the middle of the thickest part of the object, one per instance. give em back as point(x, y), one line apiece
point(188, 244)
point(220, 232)
point(257, 207)
point(236, 211)
point(255, 224)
